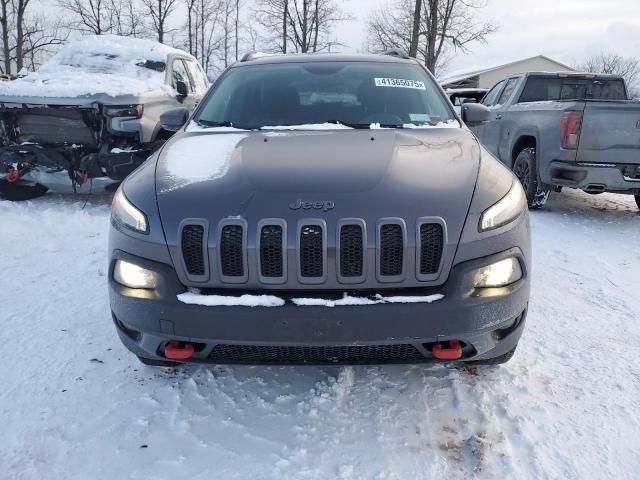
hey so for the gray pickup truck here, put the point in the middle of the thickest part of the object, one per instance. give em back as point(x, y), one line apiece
point(565, 130)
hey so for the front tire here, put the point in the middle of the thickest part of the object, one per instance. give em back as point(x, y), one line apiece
point(525, 168)
point(17, 192)
point(638, 200)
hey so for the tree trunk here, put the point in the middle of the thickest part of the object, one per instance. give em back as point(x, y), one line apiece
point(22, 6)
point(285, 11)
point(415, 31)
point(316, 21)
point(189, 26)
point(432, 36)
point(236, 26)
point(6, 47)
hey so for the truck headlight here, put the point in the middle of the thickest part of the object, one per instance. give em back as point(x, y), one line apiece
point(135, 111)
point(506, 210)
point(498, 274)
point(133, 276)
point(123, 212)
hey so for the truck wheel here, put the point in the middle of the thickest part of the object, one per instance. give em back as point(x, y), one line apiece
point(494, 361)
point(158, 363)
point(526, 170)
point(638, 200)
point(20, 192)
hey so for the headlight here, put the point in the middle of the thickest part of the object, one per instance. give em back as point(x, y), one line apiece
point(499, 274)
point(506, 210)
point(133, 276)
point(124, 111)
point(124, 213)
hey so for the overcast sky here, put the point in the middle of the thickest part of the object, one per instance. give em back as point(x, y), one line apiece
point(565, 30)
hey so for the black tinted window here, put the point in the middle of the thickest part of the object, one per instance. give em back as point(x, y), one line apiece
point(508, 91)
point(568, 88)
point(359, 93)
point(492, 96)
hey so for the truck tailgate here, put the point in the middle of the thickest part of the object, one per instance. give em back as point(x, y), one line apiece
point(610, 132)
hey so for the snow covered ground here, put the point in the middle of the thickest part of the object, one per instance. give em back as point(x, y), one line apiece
point(74, 404)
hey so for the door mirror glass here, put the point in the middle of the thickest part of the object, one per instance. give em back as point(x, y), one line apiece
point(475, 114)
point(181, 88)
point(174, 119)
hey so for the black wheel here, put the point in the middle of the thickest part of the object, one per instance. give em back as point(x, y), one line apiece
point(494, 361)
point(525, 168)
point(638, 200)
point(20, 192)
point(158, 363)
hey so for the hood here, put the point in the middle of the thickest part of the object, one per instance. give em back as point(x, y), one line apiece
point(77, 87)
point(366, 174)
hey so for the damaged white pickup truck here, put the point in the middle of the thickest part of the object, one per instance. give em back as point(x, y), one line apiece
point(93, 110)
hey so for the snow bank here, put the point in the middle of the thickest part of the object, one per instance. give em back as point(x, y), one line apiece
point(196, 159)
point(105, 64)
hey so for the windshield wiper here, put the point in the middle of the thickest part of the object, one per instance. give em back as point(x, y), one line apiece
point(361, 126)
point(226, 123)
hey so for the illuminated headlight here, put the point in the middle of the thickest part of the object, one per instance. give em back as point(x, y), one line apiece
point(124, 111)
point(133, 276)
point(499, 274)
point(506, 210)
point(125, 213)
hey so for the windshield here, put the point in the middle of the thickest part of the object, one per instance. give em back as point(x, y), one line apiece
point(131, 66)
point(356, 94)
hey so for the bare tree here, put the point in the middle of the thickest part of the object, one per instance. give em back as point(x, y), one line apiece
point(614, 64)
point(160, 11)
point(304, 24)
point(25, 37)
point(442, 24)
point(90, 16)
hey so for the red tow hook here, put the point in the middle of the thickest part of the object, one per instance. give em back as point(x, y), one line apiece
point(452, 352)
point(13, 174)
point(175, 350)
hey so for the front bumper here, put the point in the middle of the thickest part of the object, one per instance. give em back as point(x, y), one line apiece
point(596, 177)
point(488, 322)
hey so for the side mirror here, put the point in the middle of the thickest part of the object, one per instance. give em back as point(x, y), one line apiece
point(475, 114)
point(181, 88)
point(174, 119)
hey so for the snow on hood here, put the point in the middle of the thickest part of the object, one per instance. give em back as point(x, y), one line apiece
point(94, 65)
point(196, 159)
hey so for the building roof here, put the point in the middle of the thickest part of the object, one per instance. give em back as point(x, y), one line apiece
point(460, 75)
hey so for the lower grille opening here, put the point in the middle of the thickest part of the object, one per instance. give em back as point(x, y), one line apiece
point(193, 249)
point(316, 354)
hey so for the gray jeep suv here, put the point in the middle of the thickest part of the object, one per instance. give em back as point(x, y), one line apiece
point(321, 209)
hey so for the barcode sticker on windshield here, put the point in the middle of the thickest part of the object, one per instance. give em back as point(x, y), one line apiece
point(399, 83)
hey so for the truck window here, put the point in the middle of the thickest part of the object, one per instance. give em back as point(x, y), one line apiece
point(199, 79)
point(541, 89)
point(179, 73)
point(491, 97)
point(508, 90)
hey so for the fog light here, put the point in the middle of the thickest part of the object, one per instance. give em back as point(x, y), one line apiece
point(499, 274)
point(133, 276)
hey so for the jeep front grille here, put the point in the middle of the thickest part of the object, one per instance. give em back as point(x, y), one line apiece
point(391, 250)
point(271, 251)
point(232, 251)
point(351, 251)
point(431, 245)
point(311, 251)
point(193, 249)
point(388, 252)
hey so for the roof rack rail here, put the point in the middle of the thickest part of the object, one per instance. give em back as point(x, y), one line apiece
point(397, 52)
point(253, 55)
